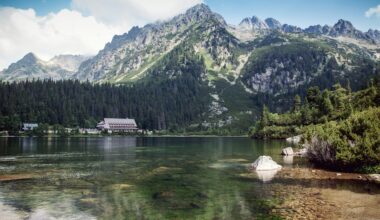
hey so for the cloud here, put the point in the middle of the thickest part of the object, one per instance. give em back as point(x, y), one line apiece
point(65, 32)
point(373, 12)
point(126, 13)
point(83, 29)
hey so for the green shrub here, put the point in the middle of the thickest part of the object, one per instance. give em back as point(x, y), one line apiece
point(351, 144)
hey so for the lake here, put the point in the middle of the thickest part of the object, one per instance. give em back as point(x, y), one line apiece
point(145, 178)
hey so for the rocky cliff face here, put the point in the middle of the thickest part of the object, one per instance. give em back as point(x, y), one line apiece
point(273, 23)
point(128, 56)
point(346, 29)
point(253, 23)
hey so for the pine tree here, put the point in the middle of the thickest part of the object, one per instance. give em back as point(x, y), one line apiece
point(327, 107)
point(297, 103)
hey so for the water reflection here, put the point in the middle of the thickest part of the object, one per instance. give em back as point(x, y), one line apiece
point(29, 145)
point(267, 175)
point(288, 160)
point(133, 177)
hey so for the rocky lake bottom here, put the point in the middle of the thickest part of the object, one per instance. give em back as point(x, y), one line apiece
point(172, 178)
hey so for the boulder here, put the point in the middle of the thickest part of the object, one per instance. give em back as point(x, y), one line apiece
point(288, 151)
point(375, 178)
point(302, 152)
point(264, 163)
point(294, 139)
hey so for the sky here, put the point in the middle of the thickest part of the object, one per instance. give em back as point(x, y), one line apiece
point(52, 27)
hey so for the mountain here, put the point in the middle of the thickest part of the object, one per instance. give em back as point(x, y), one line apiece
point(374, 34)
point(253, 23)
point(273, 23)
point(346, 29)
point(68, 62)
point(291, 29)
point(244, 66)
point(256, 23)
point(31, 67)
point(225, 72)
point(318, 29)
point(127, 57)
point(341, 29)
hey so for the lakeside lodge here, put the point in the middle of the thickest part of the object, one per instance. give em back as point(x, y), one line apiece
point(118, 125)
point(29, 126)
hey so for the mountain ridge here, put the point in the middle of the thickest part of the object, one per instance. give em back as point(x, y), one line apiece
point(231, 70)
point(128, 56)
point(31, 67)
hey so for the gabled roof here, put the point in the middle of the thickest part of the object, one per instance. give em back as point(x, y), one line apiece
point(30, 124)
point(120, 121)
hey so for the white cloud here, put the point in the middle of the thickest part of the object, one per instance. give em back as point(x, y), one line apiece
point(65, 32)
point(126, 13)
point(373, 12)
point(83, 29)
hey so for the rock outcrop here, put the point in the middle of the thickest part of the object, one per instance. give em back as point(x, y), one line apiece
point(265, 163)
point(288, 151)
point(294, 139)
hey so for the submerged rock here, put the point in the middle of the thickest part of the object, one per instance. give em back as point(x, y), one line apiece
point(264, 163)
point(15, 177)
point(234, 160)
point(120, 186)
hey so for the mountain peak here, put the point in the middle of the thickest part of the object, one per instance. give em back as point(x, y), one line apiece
point(199, 9)
point(28, 59)
point(30, 55)
point(273, 23)
point(345, 28)
point(200, 6)
point(253, 23)
point(343, 24)
point(202, 11)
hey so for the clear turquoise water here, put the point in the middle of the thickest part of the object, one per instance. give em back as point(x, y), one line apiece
point(137, 178)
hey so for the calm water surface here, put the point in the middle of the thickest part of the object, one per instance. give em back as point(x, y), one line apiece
point(137, 178)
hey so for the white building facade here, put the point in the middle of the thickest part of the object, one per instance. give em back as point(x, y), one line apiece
point(118, 125)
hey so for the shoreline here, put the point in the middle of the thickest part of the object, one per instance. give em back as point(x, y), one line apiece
point(326, 197)
point(79, 136)
point(311, 193)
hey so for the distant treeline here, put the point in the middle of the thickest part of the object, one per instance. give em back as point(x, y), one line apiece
point(173, 97)
point(71, 103)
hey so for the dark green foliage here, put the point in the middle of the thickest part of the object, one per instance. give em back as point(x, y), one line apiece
point(159, 103)
point(40, 131)
point(301, 57)
point(317, 108)
point(71, 103)
point(297, 103)
point(61, 131)
point(10, 122)
point(354, 143)
point(342, 128)
point(321, 63)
